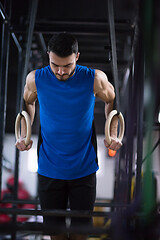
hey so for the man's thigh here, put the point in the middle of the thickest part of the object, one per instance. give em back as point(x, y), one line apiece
point(82, 194)
point(53, 194)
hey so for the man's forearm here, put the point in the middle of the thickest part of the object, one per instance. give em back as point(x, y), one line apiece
point(108, 108)
point(30, 108)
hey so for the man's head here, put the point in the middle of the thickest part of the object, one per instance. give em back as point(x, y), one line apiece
point(63, 44)
point(63, 54)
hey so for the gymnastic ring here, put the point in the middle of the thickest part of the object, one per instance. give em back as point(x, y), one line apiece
point(28, 126)
point(108, 124)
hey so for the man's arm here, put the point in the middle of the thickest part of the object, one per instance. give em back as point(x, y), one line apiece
point(30, 97)
point(104, 90)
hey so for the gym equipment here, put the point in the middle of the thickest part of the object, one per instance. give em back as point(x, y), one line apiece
point(4, 218)
point(111, 153)
point(108, 126)
point(23, 194)
point(98, 221)
point(28, 126)
point(115, 78)
point(10, 184)
point(6, 194)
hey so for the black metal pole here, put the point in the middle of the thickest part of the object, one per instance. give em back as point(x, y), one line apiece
point(16, 167)
point(20, 89)
point(139, 81)
point(130, 137)
point(3, 82)
point(20, 61)
point(3, 13)
point(125, 160)
point(21, 80)
point(114, 51)
point(43, 44)
point(34, 5)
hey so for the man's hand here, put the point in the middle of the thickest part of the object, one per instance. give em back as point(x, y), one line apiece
point(20, 144)
point(115, 144)
point(115, 141)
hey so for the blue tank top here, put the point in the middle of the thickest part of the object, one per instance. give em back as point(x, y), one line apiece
point(66, 117)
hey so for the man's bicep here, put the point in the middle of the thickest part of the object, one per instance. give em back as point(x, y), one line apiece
point(29, 96)
point(103, 89)
point(30, 91)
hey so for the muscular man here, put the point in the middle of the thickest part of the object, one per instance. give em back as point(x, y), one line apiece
point(67, 161)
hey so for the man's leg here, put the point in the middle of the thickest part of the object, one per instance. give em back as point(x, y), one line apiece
point(82, 194)
point(53, 195)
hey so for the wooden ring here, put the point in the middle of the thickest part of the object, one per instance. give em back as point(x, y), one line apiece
point(108, 124)
point(28, 126)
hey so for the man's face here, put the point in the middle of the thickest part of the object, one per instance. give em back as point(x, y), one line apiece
point(63, 68)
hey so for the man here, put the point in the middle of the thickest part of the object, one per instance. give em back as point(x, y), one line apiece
point(67, 161)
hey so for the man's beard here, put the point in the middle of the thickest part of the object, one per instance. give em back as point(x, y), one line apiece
point(61, 76)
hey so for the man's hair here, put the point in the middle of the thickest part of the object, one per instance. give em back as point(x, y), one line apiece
point(63, 44)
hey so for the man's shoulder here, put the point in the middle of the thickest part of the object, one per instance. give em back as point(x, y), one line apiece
point(31, 76)
point(85, 70)
point(43, 69)
point(83, 67)
point(30, 81)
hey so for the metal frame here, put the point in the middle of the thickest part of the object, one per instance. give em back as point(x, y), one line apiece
point(21, 82)
point(20, 86)
point(124, 164)
point(22, 77)
point(139, 81)
point(135, 107)
point(137, 61)
point(4, 78)
point(32, 17)
point(114, 51)
point(77, 27)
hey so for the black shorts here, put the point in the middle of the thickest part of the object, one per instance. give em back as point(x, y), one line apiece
point(78, 194)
